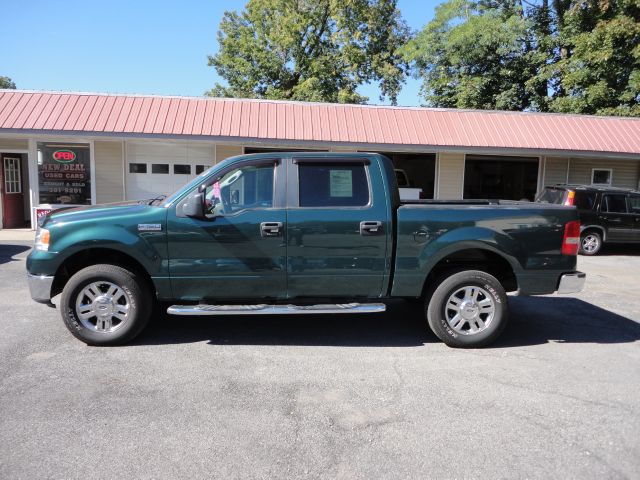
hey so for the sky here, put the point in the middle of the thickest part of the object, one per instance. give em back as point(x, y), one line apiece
point(135, 46)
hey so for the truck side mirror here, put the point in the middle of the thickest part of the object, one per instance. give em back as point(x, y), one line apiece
point(194, 206)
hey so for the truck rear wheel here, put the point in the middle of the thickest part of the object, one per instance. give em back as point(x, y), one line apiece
point(105, 305)
point(467, 309)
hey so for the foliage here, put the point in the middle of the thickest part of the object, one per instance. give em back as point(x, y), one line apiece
point(602, 73)
point(6, 82)
point(573, 56)
point(311, 50)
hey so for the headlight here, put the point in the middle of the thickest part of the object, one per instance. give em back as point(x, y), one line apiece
point(42, 239)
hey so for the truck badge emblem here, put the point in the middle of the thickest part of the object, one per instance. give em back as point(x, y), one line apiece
point(149, 227)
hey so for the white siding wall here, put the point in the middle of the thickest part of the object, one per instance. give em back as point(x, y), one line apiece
point(109, 165)
point(226, 151)
point(555, 170)
point(625, 173)
point(13, 144)
point(450, 176)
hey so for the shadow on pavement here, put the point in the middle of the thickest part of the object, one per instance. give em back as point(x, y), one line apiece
point(534, 321)
point(8, 251)
point(628, 249)
point(537, 320)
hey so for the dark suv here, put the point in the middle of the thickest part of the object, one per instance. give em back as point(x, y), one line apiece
point(607, 214)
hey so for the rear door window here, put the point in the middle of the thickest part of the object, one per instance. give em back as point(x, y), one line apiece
point(614, 204)
point(333, 185)
point(634, 204)
point(584, 200)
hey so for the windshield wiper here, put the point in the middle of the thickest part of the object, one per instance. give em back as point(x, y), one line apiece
point(159, 198)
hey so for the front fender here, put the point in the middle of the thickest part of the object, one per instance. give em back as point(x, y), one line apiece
point(147, 248)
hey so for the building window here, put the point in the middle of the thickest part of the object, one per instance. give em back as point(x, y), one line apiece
point(137, 168)
point(601, 176)
point(201, 168)
point(64, 173)
point(182, 169)
point(12, 180)
point(159, 168)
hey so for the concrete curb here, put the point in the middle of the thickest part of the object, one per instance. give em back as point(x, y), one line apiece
point(16, 234)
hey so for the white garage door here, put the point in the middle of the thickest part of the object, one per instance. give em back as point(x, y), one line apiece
point(160, 168)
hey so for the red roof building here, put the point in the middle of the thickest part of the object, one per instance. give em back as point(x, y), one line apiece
point(134, 146)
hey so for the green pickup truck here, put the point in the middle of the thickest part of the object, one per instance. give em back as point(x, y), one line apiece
point(300, 233)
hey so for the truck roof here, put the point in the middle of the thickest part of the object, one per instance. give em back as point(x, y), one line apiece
point(332, 155)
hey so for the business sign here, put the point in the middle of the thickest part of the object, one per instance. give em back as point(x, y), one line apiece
point(64, 156)
point(64, 174)
point(42, 212)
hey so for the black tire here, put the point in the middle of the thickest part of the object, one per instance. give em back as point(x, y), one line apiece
point(463, 336)
point(590, 243)
point(133, 293)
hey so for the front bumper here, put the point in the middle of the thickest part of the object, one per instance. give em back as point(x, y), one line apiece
point(40, 287)
point(572, 282)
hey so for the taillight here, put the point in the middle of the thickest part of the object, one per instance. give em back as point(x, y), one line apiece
point(570, 196)
point(571, 239)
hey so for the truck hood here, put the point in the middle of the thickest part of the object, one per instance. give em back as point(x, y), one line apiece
point(69, 214)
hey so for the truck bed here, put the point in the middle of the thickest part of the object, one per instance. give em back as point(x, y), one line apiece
point(528, 235)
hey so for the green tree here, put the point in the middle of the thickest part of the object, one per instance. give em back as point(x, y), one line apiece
point(578, 56)
point(6, 82)
point(311, 50)
point(600, 74)
point(477, 55)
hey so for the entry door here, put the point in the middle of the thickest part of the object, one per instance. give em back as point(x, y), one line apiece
point(12, 196)
point(337, 230)
point(616, 218)
point(239, 251)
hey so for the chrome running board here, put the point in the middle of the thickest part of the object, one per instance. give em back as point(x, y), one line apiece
point(265, 309)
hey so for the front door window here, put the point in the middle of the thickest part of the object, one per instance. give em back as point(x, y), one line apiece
point(240, 189)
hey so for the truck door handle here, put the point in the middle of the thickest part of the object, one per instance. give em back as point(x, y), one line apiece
point(271, 229)
point(370, 228)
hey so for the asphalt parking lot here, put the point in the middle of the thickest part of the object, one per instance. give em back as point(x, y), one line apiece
point(328, 397)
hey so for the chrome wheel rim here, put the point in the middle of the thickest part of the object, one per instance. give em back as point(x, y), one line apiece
point(590, 243)
point(470, 310)
point(103, 307)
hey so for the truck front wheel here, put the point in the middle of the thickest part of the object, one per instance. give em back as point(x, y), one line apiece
point(467, 309)
point(105, 305)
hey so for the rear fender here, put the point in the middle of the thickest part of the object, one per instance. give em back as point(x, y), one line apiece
point(470, 238)
point(410, 277)
point(603, 232)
